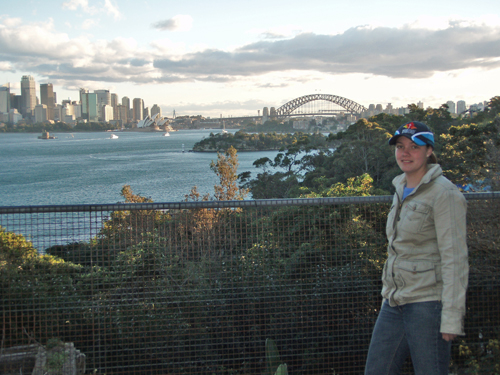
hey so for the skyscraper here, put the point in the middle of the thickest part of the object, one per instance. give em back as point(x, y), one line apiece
point(461, 106)
point(138, 104)
point(451, 106)
point(90, 109)
point(28, 96)
point(123, 114)
point(103, 98)
point(93, 107)
point(126, 102)
point(114, 104)
point(47, 98)
point(5, 98)
point(83, 102)
point(41, 113)
point(155, 109)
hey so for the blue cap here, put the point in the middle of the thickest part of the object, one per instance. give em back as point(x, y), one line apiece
point(418, 132)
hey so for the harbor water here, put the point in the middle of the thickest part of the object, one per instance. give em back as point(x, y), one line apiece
point(92, 168)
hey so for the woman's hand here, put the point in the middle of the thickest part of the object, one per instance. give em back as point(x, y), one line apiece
point(448, 336)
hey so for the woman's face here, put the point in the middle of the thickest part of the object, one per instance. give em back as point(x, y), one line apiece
point(412, 158)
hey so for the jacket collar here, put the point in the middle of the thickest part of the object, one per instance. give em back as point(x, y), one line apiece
point(433, 172)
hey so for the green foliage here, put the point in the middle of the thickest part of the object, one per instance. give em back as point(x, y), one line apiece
point(15, 251)
point(485, 361)
point(494, 105)
point(471, 154)
point(18, 256)
point(37, 282)
point(226, 168)
point(354, 187)
point(256, 141)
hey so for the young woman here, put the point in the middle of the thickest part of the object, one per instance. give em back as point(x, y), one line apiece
point(426, 273)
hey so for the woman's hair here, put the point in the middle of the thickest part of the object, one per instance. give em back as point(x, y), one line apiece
point(432, 159)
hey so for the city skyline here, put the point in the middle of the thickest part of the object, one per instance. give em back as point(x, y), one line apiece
point(234, 59)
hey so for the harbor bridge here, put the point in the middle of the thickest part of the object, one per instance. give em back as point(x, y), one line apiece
point(309, 105)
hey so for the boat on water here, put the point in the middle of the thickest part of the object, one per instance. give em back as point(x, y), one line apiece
point(46, 135)
point(113, 136)
point(166, 134)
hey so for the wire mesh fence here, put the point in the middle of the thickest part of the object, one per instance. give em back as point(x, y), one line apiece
point(198, 287)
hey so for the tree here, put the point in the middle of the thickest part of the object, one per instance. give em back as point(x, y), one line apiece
point(226, 168)
point(416, 113)
point(494, 105)
point(471, 154)
point(363, 149)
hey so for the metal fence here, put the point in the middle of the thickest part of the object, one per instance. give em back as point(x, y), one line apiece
point(198, 287)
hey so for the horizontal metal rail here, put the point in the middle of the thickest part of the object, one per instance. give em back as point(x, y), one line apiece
point(219, 204)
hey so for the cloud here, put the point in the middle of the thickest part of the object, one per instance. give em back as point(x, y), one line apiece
point(89, 23)
point(112, 9)
point(403, 52)
point(6, 67)
point(177, 23)
point(77, 4)
point(392, 52)
point(109, 6)
point(281, 32)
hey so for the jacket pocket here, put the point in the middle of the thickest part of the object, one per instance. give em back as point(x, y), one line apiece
point(415, 216)
point(418, 278)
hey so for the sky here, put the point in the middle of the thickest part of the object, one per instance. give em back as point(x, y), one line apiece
point(234, 57)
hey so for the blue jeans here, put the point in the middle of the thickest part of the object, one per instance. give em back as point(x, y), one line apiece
point(411, 329)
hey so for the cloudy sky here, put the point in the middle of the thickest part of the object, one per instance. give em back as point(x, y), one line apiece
point(233, 57)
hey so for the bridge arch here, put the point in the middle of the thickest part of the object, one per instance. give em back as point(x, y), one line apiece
point(350, 106)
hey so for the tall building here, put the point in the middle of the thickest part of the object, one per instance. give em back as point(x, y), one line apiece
point(5, 98)
point(93, 107)
point(126, 102)
point(107, 113)
point(58, 112)
point(90, 107)
point(28, 96)
point(265, 114)
point(451, 106)
point(15, 102)
point(47, 98)
point(138, 107)
point(123, 113)
point(84, 104)
point(41, 113)
point(114, 104)
point(461, 106)
point(155, 109)
point(272, 113)
point(103, 98)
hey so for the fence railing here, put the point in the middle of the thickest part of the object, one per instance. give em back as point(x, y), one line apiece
point(198, 287)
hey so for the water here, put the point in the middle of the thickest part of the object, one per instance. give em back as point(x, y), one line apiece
point(91, 168)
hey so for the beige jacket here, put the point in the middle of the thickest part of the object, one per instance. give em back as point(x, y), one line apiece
point(427, 251)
